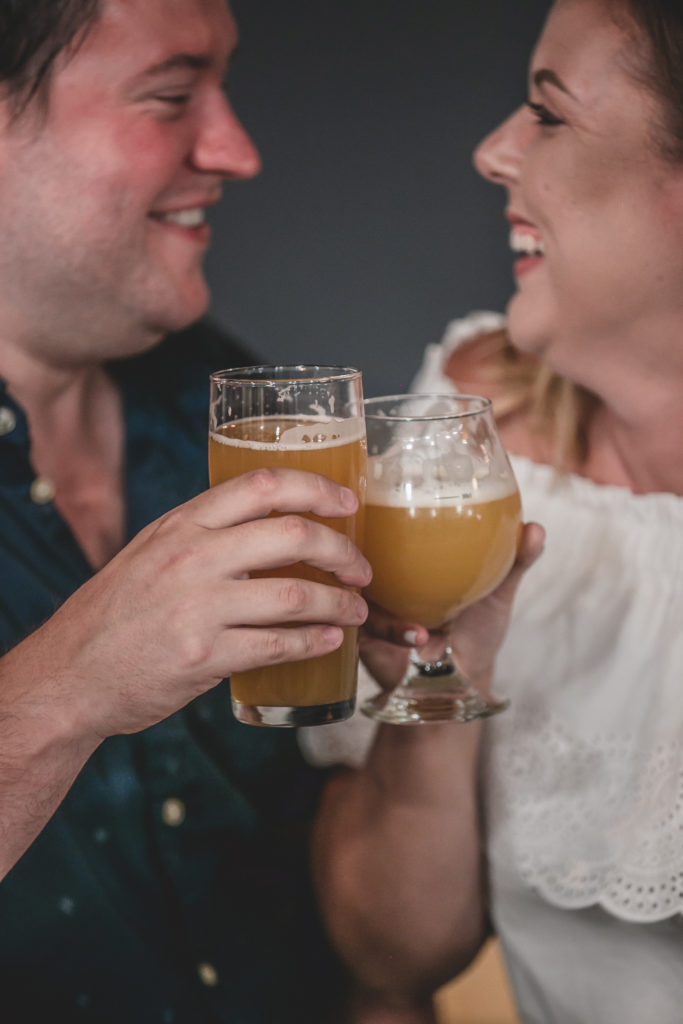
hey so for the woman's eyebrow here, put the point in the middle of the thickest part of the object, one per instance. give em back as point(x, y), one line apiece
point(546, 75)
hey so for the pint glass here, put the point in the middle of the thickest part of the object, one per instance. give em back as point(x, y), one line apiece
point(306, 418)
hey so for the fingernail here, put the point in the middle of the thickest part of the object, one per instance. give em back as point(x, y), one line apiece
point(536, 556)
point(348, 499)
point(410, 637)
point(333, 635)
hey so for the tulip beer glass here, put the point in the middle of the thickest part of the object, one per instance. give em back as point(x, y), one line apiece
point(300, 417)
point(442, 527)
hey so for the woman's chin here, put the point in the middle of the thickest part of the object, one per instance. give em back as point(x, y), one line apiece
point(527, 325)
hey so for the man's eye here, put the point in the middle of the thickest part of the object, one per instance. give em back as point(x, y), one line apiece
point(175, 99)
point(543, 115)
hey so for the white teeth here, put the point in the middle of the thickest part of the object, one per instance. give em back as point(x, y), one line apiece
point(523, 241)
point(186, 218)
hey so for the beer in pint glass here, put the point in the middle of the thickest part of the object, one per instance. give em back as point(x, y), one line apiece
point(306, 418)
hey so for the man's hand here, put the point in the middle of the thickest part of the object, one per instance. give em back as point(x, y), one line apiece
point(169, 617)
point(175, 611)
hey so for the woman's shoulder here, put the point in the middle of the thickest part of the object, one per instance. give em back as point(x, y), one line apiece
point(475, 357)
point(469, 356)
point(475, 364)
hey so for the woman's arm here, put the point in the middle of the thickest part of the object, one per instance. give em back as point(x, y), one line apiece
point(398, 860)
point(398, 857)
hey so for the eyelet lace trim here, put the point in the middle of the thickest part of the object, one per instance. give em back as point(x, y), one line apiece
point(588, 821)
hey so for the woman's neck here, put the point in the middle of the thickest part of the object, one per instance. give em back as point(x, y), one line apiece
point(641, 451)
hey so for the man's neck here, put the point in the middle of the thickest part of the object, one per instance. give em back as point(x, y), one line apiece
point(77, 442)
point(52, 395)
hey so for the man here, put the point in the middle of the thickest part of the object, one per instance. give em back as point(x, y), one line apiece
point(155, 858)
point(154, 852)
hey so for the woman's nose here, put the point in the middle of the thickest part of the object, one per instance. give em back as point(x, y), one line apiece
point(499, 155)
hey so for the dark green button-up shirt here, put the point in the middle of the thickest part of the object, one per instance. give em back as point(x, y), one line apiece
point(171, 887)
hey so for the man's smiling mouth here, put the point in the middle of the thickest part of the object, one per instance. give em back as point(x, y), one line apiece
point(194, 217)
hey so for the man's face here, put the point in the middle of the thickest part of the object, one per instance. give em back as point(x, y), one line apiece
point(102, 198)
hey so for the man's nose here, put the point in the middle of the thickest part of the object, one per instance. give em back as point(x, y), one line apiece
point(498, 156)
point(223, 146)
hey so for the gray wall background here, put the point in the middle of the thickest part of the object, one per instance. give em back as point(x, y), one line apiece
point(368, 228)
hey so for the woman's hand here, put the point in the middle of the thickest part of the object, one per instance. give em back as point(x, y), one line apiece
point(475, 636)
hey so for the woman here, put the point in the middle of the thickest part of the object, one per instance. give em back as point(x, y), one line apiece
point(582, 780)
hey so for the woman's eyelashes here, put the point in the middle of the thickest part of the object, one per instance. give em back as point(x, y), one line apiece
point(543, 115)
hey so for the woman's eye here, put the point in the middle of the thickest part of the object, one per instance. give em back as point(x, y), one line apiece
point(543, 115)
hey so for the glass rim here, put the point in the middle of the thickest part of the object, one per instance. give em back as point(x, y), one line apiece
point(257, 375)
point(486, 405)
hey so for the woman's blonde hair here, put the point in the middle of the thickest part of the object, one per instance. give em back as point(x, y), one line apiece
point(556, 408)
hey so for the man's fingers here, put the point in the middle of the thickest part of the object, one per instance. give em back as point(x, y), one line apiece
point(264, 602)
point(274, 543)
point(255, 495)
point(239, 650)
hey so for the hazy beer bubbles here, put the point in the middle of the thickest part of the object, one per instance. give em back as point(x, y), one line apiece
point(334, 448)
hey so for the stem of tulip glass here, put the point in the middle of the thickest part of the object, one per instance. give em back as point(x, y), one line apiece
point(433, 691)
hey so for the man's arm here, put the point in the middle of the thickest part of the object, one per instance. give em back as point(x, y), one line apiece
point(168, 618)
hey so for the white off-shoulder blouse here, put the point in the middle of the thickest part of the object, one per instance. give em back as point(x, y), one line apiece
point(583, 775)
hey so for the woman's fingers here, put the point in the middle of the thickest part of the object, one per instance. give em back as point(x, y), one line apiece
point(478, 632)
point(386, 662)
point(385, 643)
point(531, 545)
point(530, 548)
point(382, 625)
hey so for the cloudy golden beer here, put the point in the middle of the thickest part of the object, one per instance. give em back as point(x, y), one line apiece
point(431, 560)
point(336, 449)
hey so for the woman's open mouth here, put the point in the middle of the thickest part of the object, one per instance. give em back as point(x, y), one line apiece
point(526, 240)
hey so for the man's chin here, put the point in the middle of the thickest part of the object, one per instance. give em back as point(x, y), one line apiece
point(178, 314)
point(154, 329)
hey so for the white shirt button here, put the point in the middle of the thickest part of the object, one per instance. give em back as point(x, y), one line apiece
point(208, 975)
point(173, 812)
point(8, 420)
point(42, 490)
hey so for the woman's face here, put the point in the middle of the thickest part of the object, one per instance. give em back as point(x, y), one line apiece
point(596, 212)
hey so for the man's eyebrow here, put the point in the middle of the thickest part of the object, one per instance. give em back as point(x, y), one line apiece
point(179, 62)
point(544, 75)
